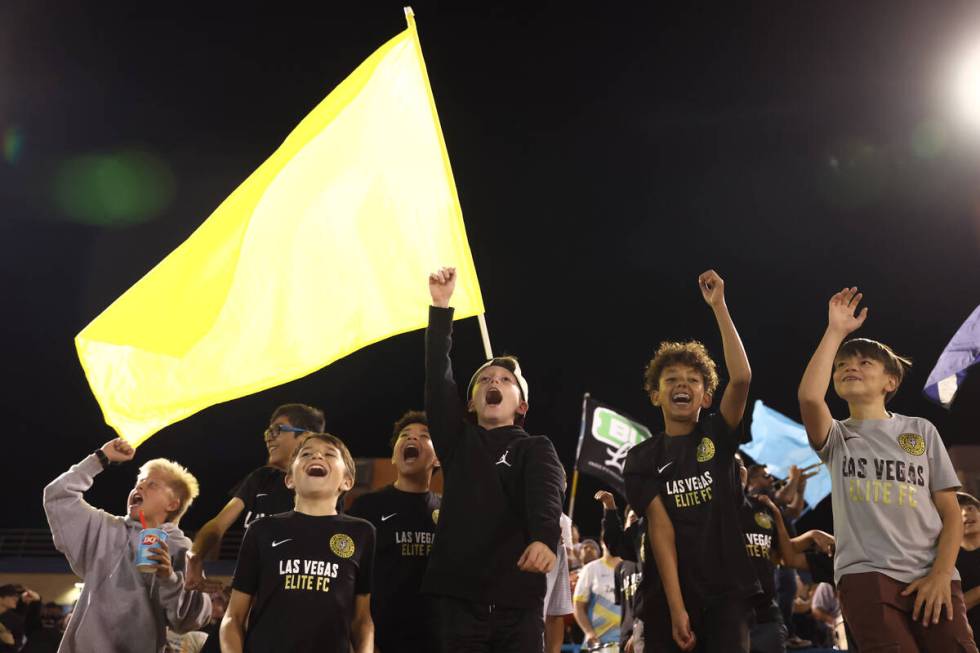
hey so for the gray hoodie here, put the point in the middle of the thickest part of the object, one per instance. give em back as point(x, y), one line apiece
point(120, 609)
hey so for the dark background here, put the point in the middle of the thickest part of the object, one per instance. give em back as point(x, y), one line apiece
point(605, 155)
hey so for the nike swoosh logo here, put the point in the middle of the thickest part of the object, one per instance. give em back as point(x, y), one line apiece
point(261, 494)
point(660, 470)
point(275, 544)
point(387, 517)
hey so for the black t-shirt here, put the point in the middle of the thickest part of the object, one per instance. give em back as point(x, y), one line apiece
point(13, 622)
point(304, 573)
point(406, 526)
point(627, 578)
point(264, 492)
point(759, 527)
point(968, 564)
point(695, 476)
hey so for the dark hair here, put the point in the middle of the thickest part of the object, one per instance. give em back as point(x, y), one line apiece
point(301, 416)
point(333, 441)
point(410, 417)
point(894, 364)
point(10, 590)
point(691, 353)
point(965, 499)
point(752, 469)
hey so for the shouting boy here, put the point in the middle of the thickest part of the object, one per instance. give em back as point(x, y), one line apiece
point(122, 609)
point(404, 515)
point(499, 526)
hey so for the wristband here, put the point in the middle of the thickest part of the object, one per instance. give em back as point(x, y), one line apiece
point(104, 459)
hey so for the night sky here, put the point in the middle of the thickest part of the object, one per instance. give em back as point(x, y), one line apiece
point(605, 155)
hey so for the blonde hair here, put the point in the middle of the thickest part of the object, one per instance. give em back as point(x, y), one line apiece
point(181, 481)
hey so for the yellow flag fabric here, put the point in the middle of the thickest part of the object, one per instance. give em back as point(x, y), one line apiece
point(321, 251)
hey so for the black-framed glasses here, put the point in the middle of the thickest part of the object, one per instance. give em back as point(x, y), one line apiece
point(276, 430)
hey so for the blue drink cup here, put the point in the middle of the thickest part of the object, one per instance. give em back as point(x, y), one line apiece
point(150, 538)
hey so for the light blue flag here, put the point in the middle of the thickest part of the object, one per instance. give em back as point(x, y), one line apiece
point(950, 370)
point(778, 442)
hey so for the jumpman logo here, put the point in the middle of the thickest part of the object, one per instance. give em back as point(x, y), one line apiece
point(503, 459)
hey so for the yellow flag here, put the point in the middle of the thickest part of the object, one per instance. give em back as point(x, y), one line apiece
point(321, 251)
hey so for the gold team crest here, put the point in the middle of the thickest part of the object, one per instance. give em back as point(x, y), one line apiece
point(342, 545)
point(435, 516)
point(763, 520)
point(912, 443)
point(706, 450)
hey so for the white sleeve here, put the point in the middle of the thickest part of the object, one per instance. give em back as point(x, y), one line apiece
point(942, 474)
point(583, 587)
point(834, 436)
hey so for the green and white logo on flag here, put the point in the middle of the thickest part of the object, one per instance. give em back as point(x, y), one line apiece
point(615, 430)
point(607, 436)
point(619, 433)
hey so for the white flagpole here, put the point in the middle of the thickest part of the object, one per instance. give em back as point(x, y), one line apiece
point(485, 335)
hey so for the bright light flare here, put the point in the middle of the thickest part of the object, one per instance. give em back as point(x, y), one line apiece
point(966, 86)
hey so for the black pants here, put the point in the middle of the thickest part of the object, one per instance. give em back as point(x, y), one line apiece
point(468, 627)
point(720, 628)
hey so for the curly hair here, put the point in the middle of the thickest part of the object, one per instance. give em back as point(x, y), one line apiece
point(691, 353)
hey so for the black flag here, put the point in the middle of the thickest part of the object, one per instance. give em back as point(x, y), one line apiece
point(607, 435)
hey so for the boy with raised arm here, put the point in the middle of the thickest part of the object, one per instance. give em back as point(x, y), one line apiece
point(303, 579)
point(499, 525)
point(896, 517)
point(121, 608)
point(683, 480)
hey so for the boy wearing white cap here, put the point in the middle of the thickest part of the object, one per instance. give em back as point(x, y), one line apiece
point(499, 523)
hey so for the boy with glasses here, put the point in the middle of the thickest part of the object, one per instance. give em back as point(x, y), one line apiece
point(263, 492)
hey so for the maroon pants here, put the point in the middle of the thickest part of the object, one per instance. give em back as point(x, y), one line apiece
point(881, 618)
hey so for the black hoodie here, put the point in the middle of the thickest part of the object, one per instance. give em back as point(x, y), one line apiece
point(503, 490)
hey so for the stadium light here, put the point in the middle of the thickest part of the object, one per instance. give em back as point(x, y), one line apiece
point(966, 86)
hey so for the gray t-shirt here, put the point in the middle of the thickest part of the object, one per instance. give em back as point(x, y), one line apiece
point(883, 473)
point(558, 595)
point(825, 598)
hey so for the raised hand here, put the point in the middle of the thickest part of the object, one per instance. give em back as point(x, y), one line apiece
point(607, 500)
point(841, 315)
point(118, 451)
point(442, 283)
point(712, 288)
